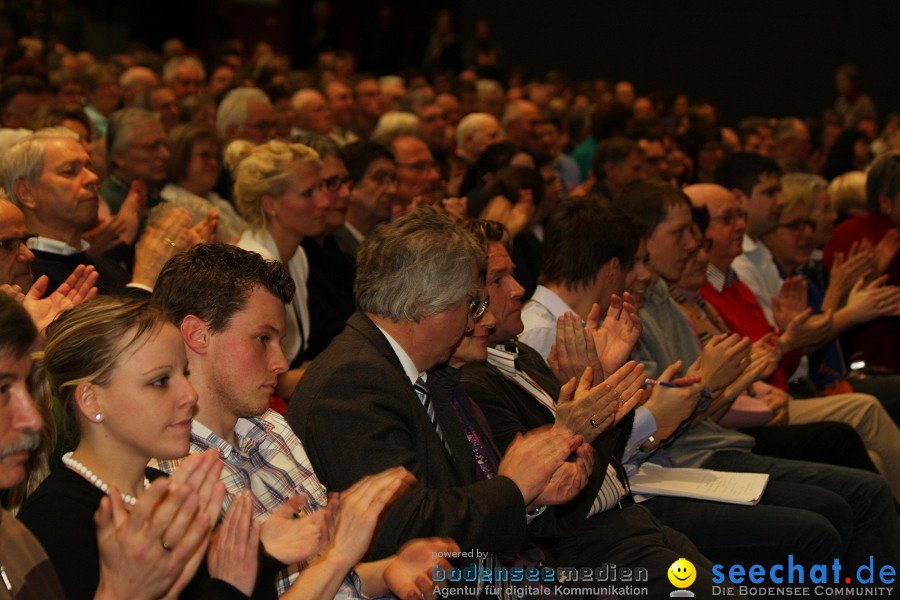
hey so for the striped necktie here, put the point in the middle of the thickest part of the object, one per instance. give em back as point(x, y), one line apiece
point(425, 399)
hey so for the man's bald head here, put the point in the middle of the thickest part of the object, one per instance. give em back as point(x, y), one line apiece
point(703, 194)
point(727, 222)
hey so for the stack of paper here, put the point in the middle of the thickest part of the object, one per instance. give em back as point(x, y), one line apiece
point(703, 484)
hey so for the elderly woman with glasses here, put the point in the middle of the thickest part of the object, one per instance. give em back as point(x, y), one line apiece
point(277, 188)
point(331, 273)
point(193, 168)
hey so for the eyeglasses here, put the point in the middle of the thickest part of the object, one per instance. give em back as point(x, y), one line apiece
point(419, 167)
point(798, 225)
point(383, 177)
point(261, 126)
point(702, 244)
point(477, 306)
point(157, 146)
point(335, 182)
point(730, 216)
point(205, 155)
point(12, 244)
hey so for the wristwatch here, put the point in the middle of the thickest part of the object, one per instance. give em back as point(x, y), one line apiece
point(651, 444)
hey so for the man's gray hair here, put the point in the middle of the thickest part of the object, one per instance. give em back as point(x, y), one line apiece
point(25, 159)
point(233, 108)
point(484, 87)
point(419, 265)
point(513, 111)
point(122, 123)
point(414, 101)
point(470, 125)
point(388, 80)
point(395, 123)
point(883, 178)
point(171, 67)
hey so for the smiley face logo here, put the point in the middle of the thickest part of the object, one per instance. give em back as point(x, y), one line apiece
point(682, 573)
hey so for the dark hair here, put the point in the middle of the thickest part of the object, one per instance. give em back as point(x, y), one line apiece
point(610, 120)
point(648, 202)
point(583, 234)
point(841, 154)
point(322, 144)
point(213, 281)
point(491, 160)
point(92, 74)
point(18, 84)
point(613, 150)
point(52, 115)
point(17, 331)
point(486, 231)
point(181, 140)
point(357, 157)
point(751, 126)
point(883, 178)
point(700, 217)
point(742, 170)
point(508, 182)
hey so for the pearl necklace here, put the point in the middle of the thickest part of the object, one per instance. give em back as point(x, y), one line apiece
point(96, 481)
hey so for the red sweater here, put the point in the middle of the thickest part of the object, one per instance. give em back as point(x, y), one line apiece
point(879, 340)
point(742, 313)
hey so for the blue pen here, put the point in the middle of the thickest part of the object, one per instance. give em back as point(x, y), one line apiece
point(648, 382)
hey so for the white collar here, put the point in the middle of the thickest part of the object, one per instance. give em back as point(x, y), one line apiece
point(354, 232)
point(719, 280)
point(45, 244)
point(550, 300)
point(409, 367)
point(503, 357)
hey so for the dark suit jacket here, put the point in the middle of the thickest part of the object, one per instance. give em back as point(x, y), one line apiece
point(348, 245)
point(357, 414)
point(510, 410)
point(329, 292)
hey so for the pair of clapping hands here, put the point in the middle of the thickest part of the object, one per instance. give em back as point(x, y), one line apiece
point(334, 538)
point(590, 359)
point(587, 406)
point(155, 550)
point(78, 287)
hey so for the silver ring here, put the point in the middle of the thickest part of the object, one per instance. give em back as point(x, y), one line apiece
point(594, 423)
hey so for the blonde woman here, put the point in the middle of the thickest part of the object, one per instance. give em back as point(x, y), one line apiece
point(119, 370)
point(275, 189)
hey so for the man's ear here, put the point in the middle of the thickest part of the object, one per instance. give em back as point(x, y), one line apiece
point(609, 270)
point(885, 203)
point(195, 333)
point(25, 193)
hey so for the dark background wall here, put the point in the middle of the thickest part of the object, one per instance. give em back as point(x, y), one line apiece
point(762, 57)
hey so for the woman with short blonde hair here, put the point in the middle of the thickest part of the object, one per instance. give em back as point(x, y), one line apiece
point(275, 189)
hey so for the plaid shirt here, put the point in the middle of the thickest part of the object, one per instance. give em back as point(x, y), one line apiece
point(270, 461)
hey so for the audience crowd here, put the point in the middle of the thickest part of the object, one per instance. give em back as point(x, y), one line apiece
point(272, 331)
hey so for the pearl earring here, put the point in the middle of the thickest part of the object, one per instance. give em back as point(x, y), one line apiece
point(98, 417)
